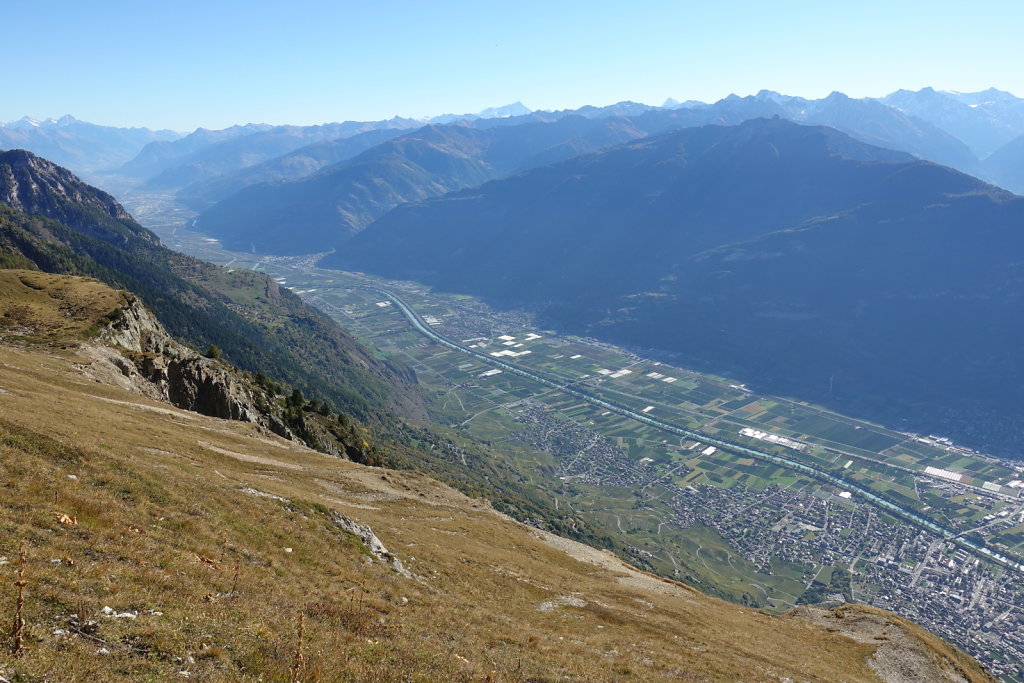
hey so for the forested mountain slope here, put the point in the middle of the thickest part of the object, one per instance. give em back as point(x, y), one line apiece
point(782, 253)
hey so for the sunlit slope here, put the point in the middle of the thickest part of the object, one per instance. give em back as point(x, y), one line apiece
point(159, 541)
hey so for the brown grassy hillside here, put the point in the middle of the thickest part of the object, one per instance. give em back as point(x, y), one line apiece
point(161, 544)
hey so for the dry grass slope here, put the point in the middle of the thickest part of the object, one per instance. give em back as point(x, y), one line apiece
point(37, 307)
point(163, 544)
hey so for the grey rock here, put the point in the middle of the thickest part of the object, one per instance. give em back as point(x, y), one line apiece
point(136, 352)
point(365, 534)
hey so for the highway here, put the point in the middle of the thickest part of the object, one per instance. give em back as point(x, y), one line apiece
point(910, 516)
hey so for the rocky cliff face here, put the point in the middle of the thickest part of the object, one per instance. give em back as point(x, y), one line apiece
point(121, 342)
point(136, 352)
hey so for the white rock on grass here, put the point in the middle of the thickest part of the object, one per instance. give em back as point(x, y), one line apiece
point(561, 601)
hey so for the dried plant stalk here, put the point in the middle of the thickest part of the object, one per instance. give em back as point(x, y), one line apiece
point(299, 662)
point(18, 629)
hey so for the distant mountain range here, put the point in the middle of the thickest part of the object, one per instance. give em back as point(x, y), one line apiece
point(990, 122)
point(863, 119)
point(299, 163)
point(174, 159)
point(86, 147)
point(315, 213)
point(187, 161)
point(509, 110)
point(160, 155)
point(320, 211)
point(794, 257)
point(1005, 166)
point(960, 130)
point(985, 120)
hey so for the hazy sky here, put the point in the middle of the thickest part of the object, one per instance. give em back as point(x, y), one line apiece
point(214, 63)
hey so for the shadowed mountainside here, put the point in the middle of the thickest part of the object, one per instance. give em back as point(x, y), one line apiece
point(1006, 165)
point(320, 212)
point(297, 164)
point(779, 253)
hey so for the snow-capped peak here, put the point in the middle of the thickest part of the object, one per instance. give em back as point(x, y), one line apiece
point(24, 123)
point(514, 109)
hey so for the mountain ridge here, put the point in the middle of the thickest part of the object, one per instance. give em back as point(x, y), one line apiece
point(1005, 166)
point(985, 120)
point(706, 222)
point(321, 210)
point(317, 213)
point(35, 185)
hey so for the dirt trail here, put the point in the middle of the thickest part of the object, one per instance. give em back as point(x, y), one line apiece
point(257, 459)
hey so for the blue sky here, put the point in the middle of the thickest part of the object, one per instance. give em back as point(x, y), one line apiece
point(185, 64)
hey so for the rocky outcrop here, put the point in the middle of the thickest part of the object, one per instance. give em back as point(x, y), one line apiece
point(365, 534)
point(197, 384)
point(136, 352)
point(904, 652)
point(134, 328)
